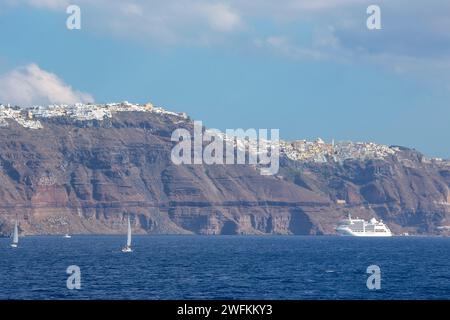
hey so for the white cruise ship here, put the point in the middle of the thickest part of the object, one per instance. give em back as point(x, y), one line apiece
point(361, 228)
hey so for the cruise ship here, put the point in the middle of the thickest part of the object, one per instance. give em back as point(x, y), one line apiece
point(361, 228)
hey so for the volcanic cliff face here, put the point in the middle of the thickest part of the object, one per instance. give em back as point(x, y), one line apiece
point(86, 176)
point(408, 192)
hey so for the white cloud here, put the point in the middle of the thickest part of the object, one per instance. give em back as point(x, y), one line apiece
point(172, 22)
point(30, 85)
point(284, 46)
point(413, 31)
point(132, 9)
point(48, 4)
point(220, 17)
point(153, 21)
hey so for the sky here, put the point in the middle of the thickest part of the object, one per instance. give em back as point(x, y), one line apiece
point(308, 68)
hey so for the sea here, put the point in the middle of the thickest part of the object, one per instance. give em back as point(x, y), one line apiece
point(225, 267)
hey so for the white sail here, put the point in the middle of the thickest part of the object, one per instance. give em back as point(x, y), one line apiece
point(129, 233)
point(67, 235)
point(16, 234)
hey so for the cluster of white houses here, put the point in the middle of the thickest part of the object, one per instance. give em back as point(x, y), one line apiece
point(29, 117)
point(320, 151)
point(299, 150)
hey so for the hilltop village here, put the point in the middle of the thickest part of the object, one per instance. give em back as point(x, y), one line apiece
point(319, 151)
point(29, 117)
point(300, 150)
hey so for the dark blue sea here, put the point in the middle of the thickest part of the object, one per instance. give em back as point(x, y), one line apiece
point(226, 267)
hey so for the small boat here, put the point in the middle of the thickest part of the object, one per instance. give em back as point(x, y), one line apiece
point(15, 242)
point(127, 248)
point(67, 235)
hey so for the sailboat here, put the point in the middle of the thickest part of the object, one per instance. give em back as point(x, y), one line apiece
point(67, 235)
point(15, 241)
point(127, 248)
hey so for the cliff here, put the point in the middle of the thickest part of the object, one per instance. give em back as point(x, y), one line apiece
point(85, 176)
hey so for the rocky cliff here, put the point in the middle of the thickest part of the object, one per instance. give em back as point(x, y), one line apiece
point(86, 176)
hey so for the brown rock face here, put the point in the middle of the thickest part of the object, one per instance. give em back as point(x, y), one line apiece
point(409, 193)
point(85, 177)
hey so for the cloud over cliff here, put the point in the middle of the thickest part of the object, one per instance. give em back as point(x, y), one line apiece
point(31, 85)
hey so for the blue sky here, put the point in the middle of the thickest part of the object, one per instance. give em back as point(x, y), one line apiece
point(311, 69)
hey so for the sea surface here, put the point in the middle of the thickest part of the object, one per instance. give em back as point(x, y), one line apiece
point(225, 267)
